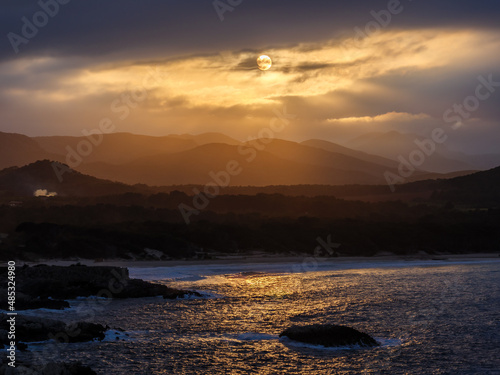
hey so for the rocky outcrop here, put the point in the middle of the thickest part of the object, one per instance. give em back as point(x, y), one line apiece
point(329, 335)
point(52, 368)
point(49, 286)
point(27, 302)
point(33, 329)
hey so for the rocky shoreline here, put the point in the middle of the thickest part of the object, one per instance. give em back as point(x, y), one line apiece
point(52, 368)
point(50, 287)
point(34, 329)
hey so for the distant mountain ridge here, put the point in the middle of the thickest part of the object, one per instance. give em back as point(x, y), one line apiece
point(189, 159)
point(392, 144)
point(19, 150)
point(41, 175)
point(194, 166)
point(478, 189)
point(333, 147)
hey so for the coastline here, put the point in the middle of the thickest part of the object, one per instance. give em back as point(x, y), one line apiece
point(249, 259)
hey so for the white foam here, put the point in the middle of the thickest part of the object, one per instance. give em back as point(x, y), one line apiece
point(200, 272)
point(255, 336)
point(43, 311)
point(387, 343)
point(92, 298)
point(384, 343)
point(297, 344)
point(113, 335)
point(204, 295)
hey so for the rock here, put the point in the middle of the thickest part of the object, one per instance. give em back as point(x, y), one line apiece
point(88, 332)
point(52, 368)
point(329, 335)
point(67, 369)
point(31, 329)
point(27, 302)
point(36, 284)
point(136, 288)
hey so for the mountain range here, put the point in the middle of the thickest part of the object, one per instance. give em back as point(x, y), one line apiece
point(443, 160)
point(193, 159)
point(477, 189)
point(41, 176)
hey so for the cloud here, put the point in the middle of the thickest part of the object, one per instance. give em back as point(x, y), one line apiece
point(396, 78)
point(122, 29)
point(387, 117)
point(302, 70)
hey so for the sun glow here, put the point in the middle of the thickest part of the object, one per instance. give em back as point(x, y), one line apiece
point(264, 62)
point(227, 87)
point(305, 70)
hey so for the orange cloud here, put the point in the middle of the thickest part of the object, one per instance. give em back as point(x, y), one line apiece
point(387, 117)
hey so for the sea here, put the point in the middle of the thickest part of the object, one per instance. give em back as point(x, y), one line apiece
point(430, 317)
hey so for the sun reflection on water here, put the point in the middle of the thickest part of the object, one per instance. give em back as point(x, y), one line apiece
point(237, 332)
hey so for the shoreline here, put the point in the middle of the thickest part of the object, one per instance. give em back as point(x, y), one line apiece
point(241, 260)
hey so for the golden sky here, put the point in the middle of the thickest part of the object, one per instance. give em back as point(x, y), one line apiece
point(338, 88)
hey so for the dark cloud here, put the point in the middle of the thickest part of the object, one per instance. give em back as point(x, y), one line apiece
point(117, 29)
point(92, 34)
point(313, 66)
point(247, 64)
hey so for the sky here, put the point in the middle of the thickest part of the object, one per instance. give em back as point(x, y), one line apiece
point(340, 69)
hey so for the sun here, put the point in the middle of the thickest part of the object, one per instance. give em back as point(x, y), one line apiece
point(264, 62)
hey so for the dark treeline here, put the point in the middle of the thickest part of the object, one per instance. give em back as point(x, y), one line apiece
point(127, 225)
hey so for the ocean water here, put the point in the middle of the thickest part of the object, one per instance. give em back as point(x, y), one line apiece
point(430, 317)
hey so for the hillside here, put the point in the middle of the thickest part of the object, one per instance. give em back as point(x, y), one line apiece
point(41, 175)
point(117, 148)
point(480, 189)
point(476, 188)
point(195, 166)
point(392, 144)
point(333, 147)
point(189, 159)
point(18, 150)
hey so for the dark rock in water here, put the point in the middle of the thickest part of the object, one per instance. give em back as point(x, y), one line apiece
point(329, 335)
point(136, 288)
point(21, 346)
point(27, 302)
point(52, 368)
point(88, 332)
point(36, 284)
point(31, 329)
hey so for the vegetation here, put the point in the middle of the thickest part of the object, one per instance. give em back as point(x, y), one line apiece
point(237, 224)
point(108, 220)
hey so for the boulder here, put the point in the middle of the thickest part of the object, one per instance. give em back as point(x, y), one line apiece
point(329, 335)
point(27, 302)
point(88, 332)
point(52, 368)
point(49, 286)
point(32, 329)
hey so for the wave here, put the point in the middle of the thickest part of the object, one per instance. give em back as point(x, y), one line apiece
point(204, 295)
point(388, 343)
point(384, 343)
point(114, 335)
point(42, 311)
point(255, 336)
point(195, 273)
